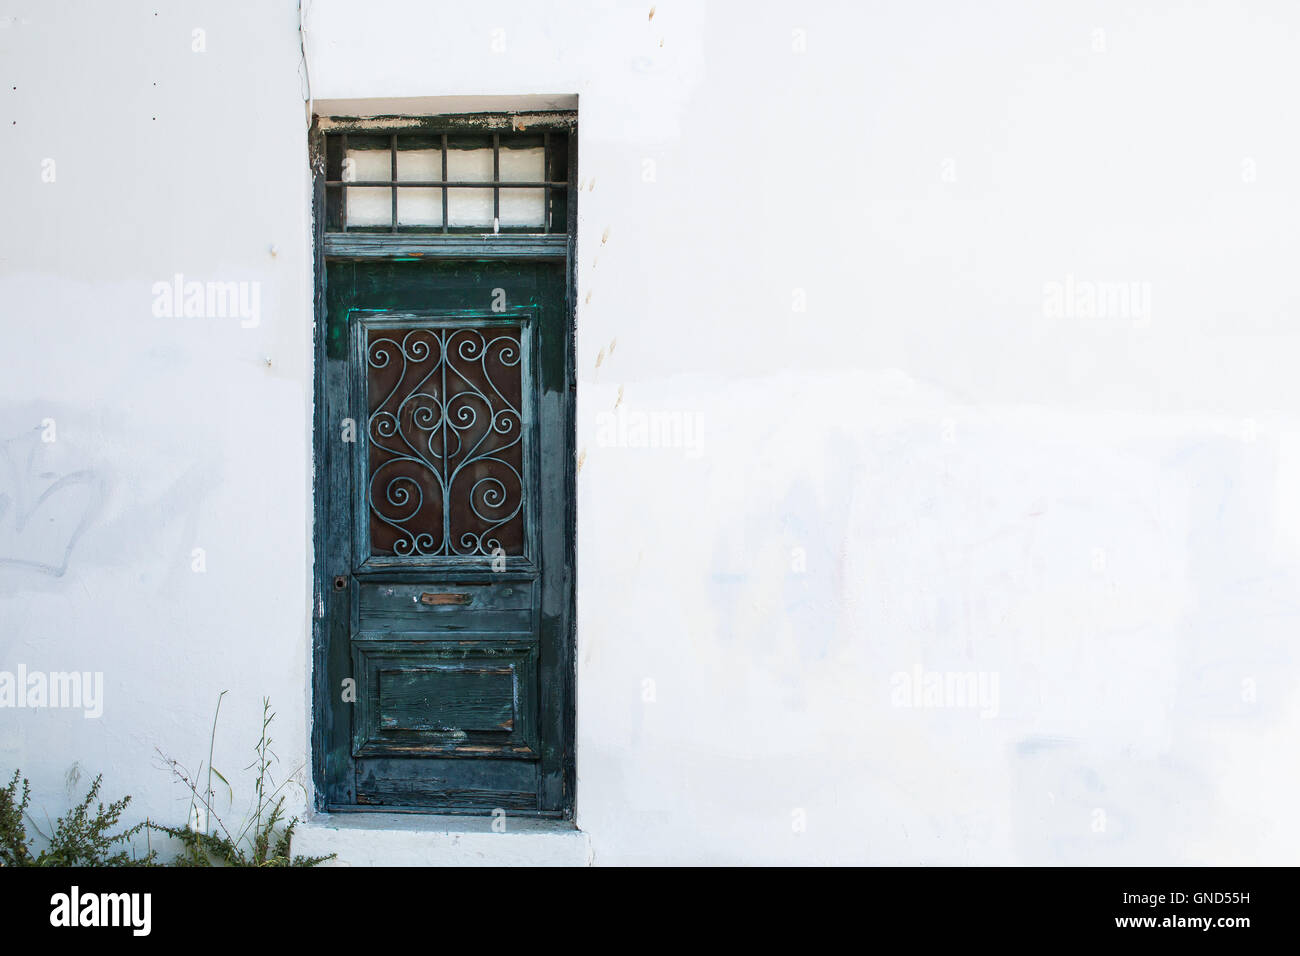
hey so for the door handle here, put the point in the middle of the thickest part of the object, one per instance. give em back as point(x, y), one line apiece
point(431, 597)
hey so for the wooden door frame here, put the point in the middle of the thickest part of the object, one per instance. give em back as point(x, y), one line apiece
point(490, 248)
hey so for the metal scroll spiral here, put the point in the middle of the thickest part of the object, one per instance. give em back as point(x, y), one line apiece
point(453, 431)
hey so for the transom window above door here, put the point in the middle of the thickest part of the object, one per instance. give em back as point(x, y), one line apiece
point(458, 181)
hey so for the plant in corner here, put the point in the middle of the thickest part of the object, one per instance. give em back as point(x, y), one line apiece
point(81, 837)
point(263, 839)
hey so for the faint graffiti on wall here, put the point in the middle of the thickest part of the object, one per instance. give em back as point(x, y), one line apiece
point(43, 508)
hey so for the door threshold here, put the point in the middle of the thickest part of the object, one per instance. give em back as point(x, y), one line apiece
point(461, 813)
point(424, 839)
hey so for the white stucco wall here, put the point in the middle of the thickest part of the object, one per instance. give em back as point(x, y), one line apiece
point(902, 456)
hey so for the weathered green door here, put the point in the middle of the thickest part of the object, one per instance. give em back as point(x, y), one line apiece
point(445, 666)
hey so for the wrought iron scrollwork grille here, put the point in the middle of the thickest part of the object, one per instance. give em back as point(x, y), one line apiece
point(446, 435)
